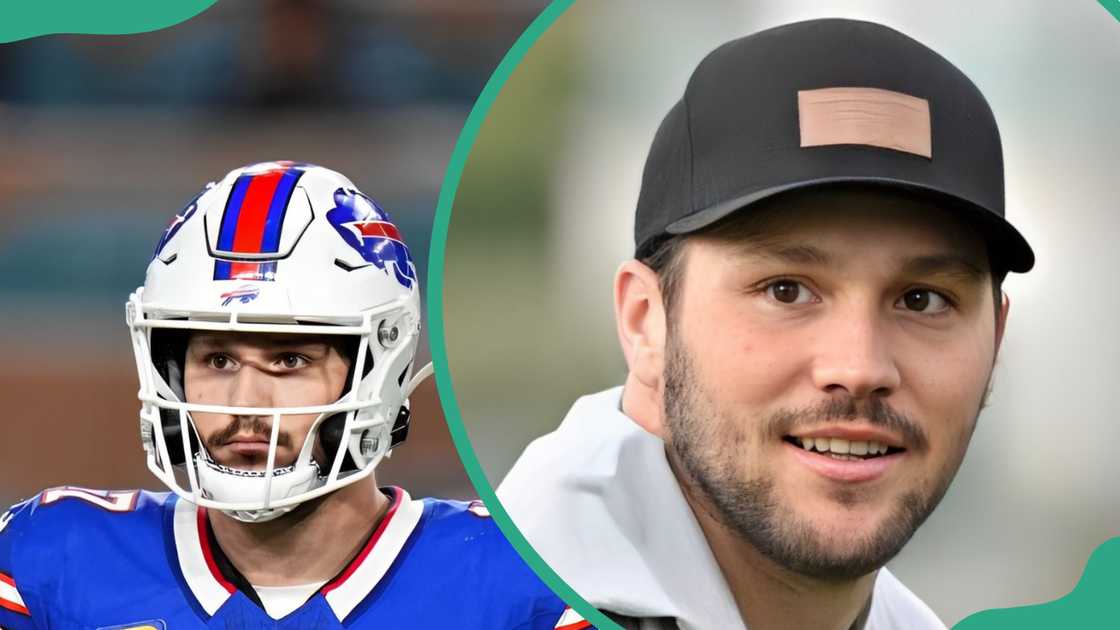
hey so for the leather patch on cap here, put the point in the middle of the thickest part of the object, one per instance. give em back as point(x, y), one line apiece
point(867, 116)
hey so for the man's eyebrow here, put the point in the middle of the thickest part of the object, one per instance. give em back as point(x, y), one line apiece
point(944, 264)
point(298, 340)
point(786, 253)
point(207, 340)
point(273, 344)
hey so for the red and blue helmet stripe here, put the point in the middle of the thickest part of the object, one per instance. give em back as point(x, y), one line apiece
point(253, 220)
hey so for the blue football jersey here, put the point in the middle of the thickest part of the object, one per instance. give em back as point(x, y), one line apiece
point(136, 560)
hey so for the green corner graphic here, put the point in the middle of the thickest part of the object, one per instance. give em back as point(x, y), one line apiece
point(1112, 6)
point(32, 18)
point(1090, 605)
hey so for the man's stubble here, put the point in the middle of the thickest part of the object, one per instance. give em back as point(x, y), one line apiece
point(706, 448)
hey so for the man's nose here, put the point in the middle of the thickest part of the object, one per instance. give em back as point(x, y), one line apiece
point(854, 354)
point(251, 387)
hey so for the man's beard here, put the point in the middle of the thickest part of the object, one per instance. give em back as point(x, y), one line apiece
point(708, 449)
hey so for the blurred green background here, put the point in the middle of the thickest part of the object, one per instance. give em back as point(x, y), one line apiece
point(104, 138)
point(543, 216)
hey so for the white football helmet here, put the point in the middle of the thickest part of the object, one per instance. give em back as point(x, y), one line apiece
point(278, 247)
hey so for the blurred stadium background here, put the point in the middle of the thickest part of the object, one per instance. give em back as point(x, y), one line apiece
point(104, 139)
point(544, 215)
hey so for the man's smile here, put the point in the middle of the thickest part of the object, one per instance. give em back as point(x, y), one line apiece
point(845, 460)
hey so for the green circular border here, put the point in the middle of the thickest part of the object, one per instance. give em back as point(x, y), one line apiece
point(435, 315)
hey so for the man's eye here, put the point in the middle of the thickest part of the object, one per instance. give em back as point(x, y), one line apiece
point(924, 301)
point(789, 292)
point(219, 361)
point(293, 361)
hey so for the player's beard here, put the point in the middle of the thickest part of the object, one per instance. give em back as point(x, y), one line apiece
point(707, 448)
point(253, 425)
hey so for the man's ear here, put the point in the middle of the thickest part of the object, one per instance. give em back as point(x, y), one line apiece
point(640, 320)
point(1001, 319)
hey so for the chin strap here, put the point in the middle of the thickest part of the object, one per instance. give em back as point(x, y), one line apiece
point(234, 485)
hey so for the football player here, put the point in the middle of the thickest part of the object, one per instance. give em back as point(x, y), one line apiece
point(274, 338)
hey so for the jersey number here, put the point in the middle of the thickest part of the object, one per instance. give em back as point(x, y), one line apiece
point(111, 500)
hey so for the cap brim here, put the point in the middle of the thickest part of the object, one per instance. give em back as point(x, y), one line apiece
point(1007, 246)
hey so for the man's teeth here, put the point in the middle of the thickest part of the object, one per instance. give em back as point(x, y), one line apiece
point(841, 446)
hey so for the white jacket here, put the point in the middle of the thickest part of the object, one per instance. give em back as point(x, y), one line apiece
point(597, 500)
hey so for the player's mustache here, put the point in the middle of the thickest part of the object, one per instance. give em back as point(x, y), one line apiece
point(876, 411)
point(255, 425)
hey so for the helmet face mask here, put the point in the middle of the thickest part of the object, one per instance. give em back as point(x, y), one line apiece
point(304, 254)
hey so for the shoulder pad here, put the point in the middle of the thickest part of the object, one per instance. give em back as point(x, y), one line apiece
point(14, 611)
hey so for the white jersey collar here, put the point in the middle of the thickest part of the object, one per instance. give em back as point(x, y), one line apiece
point(343, 593)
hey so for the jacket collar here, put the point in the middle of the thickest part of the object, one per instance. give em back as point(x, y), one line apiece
point(613, 479)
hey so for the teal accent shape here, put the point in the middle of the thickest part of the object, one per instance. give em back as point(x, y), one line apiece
point(31, 18)
point(1112, 6)
point(1091, 605)
point(435, 314)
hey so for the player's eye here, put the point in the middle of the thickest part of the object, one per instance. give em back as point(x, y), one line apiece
point(220, 361)
point(789, 291)
point(292, 361)
point(924, 301)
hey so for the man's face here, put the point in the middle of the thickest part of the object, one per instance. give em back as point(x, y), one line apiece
point(850, 322)
point(260, 370)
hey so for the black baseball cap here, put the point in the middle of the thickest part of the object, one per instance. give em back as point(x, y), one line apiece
point(818, 103)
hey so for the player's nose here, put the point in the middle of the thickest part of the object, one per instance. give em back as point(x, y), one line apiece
point(251, 387)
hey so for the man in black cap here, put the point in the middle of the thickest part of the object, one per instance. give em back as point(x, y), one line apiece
point(810, 322)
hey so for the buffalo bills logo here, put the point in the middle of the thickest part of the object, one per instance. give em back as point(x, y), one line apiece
point(243, 294)
point(179, 219)
point(366, 227)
